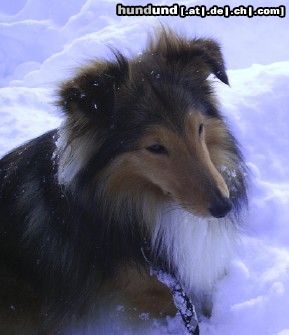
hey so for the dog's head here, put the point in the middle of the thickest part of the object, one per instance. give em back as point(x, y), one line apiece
point(155, 128)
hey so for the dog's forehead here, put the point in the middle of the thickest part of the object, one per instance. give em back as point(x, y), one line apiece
point(194, 116)
point(173, 99)
point(167, 131)
point(161, 97)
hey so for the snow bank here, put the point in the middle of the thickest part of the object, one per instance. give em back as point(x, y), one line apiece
point(41, 43)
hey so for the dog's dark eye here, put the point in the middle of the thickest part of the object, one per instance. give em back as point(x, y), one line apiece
point(157, 149)
point(201, 128)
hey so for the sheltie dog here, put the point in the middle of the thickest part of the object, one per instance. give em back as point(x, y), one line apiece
point(142, 161)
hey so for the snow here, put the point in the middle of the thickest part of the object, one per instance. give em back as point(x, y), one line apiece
point(41, 43)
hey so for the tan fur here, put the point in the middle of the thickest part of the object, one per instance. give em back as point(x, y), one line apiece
point(201, 146)
point(144, 292)
point(125, 187)
point(218, 144)
point(134, 297)
point(186, 176)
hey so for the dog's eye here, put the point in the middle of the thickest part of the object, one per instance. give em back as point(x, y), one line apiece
point(201, 128)
point(157, 149)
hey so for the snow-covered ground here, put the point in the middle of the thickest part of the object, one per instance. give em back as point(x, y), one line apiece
point(41, 42)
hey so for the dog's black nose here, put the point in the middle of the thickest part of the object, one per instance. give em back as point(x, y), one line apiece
point(220, 207)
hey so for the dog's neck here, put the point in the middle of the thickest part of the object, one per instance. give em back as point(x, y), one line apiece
point(197, 250)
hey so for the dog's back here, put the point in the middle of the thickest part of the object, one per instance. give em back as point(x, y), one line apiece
point(22, 189)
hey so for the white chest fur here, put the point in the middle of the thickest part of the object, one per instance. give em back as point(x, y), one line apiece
point(198, 249)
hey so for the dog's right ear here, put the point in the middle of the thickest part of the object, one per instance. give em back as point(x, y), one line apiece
point(210, 52)
point(202, 53)
point(92, 91)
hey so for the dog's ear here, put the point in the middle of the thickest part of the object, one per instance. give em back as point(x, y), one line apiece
point(210, 52)
point(92, 91)
point(203, 55)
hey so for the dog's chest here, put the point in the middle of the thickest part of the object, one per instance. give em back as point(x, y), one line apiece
point(198, 249)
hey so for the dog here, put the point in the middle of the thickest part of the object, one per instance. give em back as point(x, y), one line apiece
point(143, 162)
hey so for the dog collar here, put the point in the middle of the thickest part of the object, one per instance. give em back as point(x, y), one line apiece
point(181, 300)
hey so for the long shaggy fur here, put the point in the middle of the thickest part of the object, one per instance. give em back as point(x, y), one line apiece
point(71, 213)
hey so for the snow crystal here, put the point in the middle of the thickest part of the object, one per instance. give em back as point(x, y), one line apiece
point(144, 316)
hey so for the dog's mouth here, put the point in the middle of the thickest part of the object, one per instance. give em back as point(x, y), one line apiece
point(219, 208)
